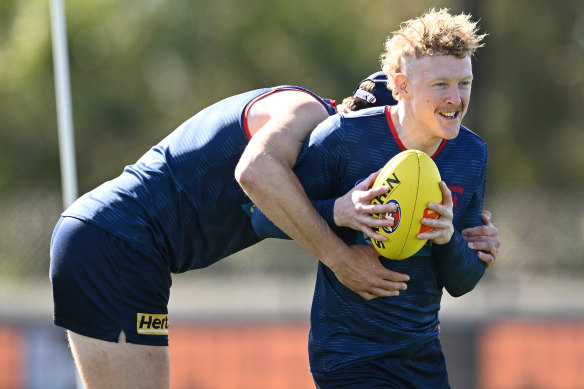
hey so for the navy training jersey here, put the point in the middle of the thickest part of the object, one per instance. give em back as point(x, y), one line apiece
point(345, 328)
point(180, 201)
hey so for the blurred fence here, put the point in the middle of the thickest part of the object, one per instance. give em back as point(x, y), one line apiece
point(542, 233)
point(245, 319)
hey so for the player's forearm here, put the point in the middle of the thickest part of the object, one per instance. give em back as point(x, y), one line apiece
point(458, 266)
point(265, 228)
point(275, 189)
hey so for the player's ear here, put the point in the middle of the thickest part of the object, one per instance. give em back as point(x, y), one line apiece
point(400, 82)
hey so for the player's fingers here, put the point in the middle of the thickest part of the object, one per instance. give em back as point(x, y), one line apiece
point(493, 242)
point(440, 223)
point(426, 235)
point(379, 292)
point(372, 193)
point(368, 182)
point(394, 286)
point(384, 208)
point(446, 195)
point(475, 238)
point(434, 223)
point(384, 287)
point(444, 210)
point(483, 242)
point(370, 221)
point(393, 276)
point(366, 295)
point(441, 233)
point(477, 231)
point(489, 246)
point(376, 208)
point(430, 235)
point(362, 197)
point(374, 235)
point(488, 259)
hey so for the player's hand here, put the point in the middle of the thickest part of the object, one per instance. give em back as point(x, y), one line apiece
point(443, 227)
point(362, 272)
point(484, 239)
point(354, 209)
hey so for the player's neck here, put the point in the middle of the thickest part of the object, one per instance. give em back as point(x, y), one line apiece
point(409, 133)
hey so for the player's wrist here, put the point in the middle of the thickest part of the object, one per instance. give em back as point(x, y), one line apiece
point(336, 257)
point(337, 218)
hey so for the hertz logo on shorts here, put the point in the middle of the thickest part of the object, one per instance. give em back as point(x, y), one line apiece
point(152, 324)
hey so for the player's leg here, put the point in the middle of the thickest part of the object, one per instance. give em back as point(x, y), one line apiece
point(104, 364)
point(113, 301)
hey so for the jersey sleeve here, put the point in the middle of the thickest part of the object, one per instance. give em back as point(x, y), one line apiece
point(459, 267)
point(318, 167)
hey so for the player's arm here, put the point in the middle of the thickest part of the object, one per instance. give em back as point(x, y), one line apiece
point(265, 173)
point(458, 266)
point(352, 210)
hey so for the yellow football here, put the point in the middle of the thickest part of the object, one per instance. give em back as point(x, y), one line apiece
point(413, 180)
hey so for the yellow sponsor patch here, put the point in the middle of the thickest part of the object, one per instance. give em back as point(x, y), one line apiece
point(152, 324)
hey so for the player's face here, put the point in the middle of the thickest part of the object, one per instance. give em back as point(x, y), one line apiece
point(440, 92)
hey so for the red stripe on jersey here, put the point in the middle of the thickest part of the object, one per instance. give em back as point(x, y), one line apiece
point(392, 128)
point(442, 144)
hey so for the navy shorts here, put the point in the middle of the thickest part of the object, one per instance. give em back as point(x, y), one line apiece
point(102, 286)
point(420, 367)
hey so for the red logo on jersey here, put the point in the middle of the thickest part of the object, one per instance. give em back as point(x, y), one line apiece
point(456, 190)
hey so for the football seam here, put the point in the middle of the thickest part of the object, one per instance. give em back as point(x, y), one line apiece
point(407, 240)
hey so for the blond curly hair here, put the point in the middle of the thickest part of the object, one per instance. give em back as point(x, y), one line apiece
point(433, 33)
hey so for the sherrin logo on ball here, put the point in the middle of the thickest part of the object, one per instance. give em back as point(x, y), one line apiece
point(414, 181)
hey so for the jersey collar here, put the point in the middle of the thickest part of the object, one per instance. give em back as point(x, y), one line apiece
point(398, 140)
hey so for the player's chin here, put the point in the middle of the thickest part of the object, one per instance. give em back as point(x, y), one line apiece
point(449, 127)
point(450, 132)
